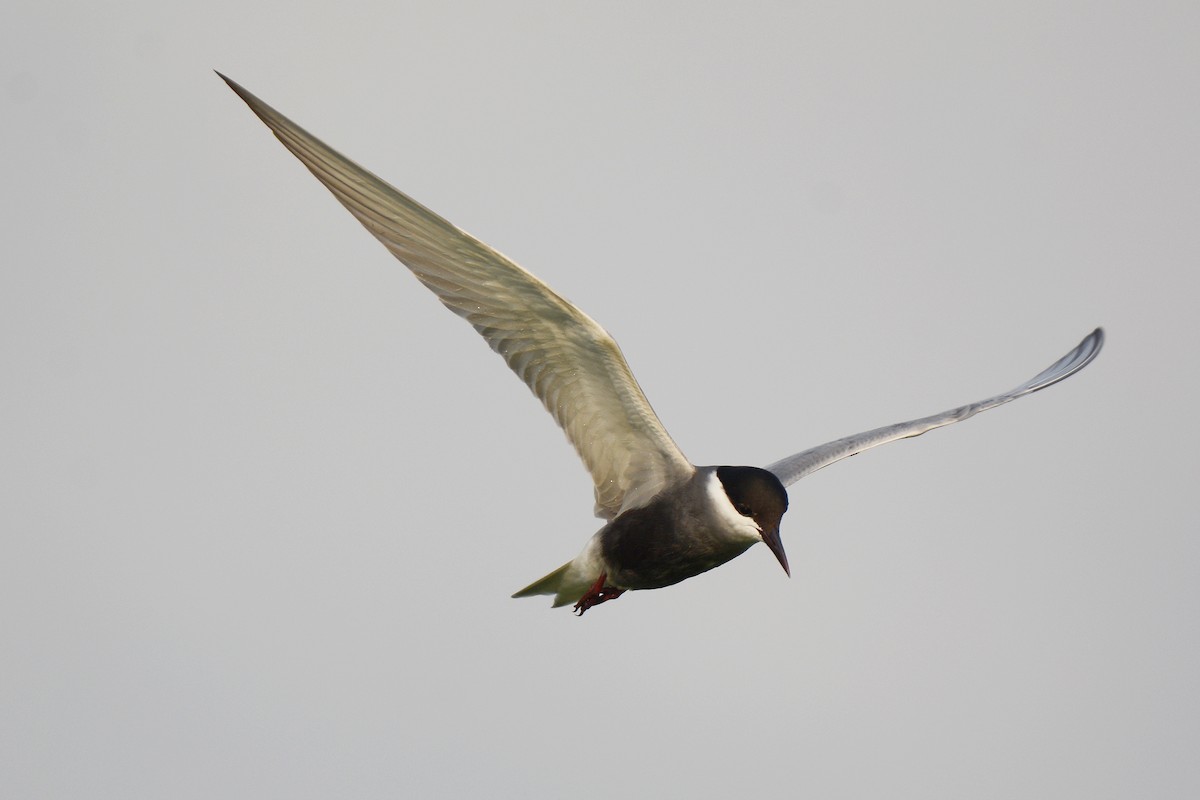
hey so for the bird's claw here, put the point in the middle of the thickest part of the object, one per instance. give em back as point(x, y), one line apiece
point(599, 593)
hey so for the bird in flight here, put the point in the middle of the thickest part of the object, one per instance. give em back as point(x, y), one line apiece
point(666, 519)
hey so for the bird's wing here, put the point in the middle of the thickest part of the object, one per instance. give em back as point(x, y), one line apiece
point(570, 362)
point(793, 468)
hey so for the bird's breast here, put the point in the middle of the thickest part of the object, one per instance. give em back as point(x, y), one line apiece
point(657, 546)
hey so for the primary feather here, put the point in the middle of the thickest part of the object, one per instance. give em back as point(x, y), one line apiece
point(571, 363)
point(793, 468)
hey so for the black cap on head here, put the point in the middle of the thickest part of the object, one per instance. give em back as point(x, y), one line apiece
point(758, 494)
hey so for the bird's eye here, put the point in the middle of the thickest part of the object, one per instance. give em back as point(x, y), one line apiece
point(744, 510)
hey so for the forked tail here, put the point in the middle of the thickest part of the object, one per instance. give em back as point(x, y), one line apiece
point(547, 585)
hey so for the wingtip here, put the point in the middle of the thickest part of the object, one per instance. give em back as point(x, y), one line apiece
point(273, 119)
point(232, 84)
point(1091, 345)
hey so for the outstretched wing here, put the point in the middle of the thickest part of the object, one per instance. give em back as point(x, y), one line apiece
point(793, 468)
point(570, 362)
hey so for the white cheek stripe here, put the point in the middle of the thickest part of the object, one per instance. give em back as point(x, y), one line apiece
point(728, 514)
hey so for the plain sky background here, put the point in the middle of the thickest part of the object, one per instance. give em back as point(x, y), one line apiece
point(263, 499)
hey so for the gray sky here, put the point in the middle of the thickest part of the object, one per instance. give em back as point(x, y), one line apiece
point(265, 500)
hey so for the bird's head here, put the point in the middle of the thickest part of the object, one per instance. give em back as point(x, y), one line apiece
point(759, 496)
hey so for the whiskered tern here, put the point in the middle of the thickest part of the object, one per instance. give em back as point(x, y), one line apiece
point(665, 519)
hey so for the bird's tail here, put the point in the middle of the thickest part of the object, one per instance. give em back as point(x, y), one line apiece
point(551, 584)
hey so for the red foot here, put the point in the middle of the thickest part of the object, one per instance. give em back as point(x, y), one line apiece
point(599, 593)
